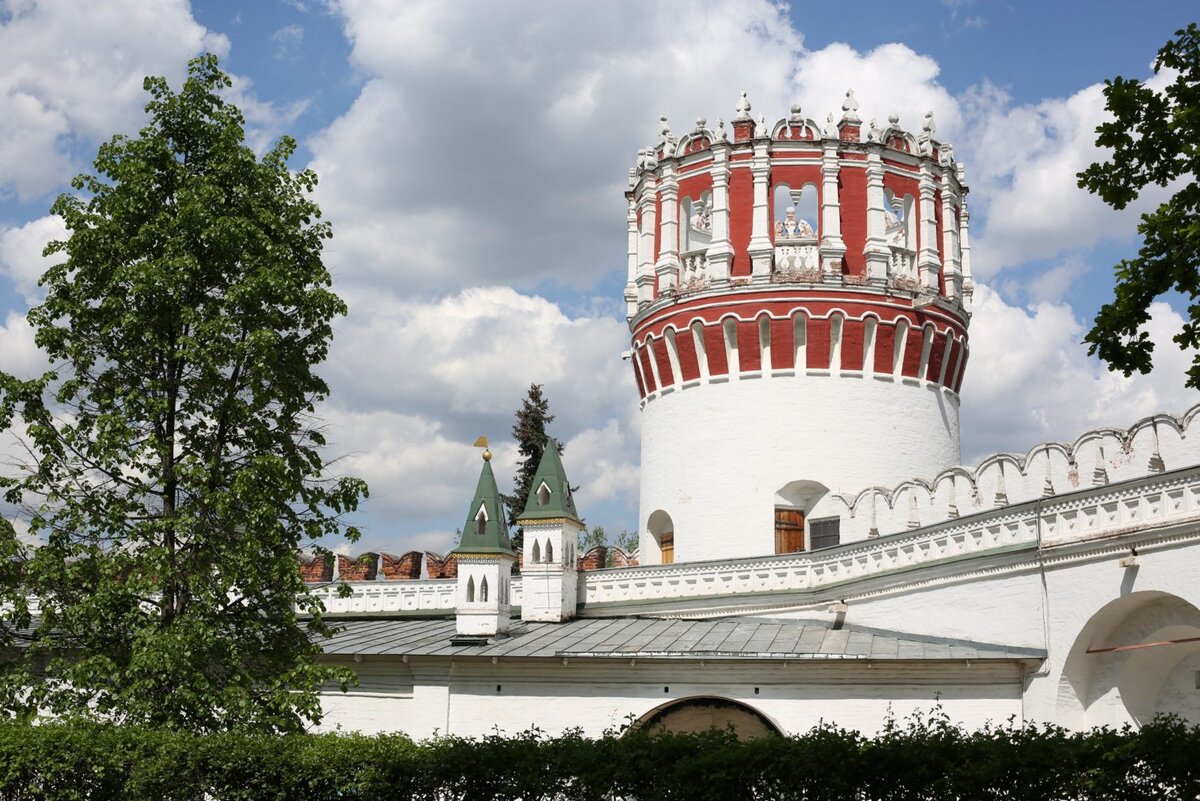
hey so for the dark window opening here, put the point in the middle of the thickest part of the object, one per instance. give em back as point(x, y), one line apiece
point(825, 533)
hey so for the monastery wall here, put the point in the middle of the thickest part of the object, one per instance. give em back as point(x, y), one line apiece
point(470, 697)
point(1097, 458)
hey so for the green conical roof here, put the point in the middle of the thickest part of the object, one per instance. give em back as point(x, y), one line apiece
point(549, 492)
point(486, 529)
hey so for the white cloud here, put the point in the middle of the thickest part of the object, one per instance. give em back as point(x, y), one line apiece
point(287, 41)
point(21, 253)
point(70, 69)
point(1029, 378)
point(1025, 159)
point(19, 355)
point(415, 383)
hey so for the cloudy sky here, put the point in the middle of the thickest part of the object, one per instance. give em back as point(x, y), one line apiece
point(473, 156)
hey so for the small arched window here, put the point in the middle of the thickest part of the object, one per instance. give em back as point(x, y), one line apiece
point(471, 589)
point(537, 552)
point(549, 551)
point(543, 494)
point(481, 521)
point(483, 590)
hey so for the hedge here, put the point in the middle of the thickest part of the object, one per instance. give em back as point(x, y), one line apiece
point(927, 759)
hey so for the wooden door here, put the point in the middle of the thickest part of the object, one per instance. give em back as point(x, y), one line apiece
point(789, 530)
point(668, 547)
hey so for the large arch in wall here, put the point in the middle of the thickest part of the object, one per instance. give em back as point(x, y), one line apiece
point(1137, 657)
point(704, 712)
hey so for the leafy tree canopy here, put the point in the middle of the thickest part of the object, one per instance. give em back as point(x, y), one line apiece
point(173, 462)
point(1155, 139)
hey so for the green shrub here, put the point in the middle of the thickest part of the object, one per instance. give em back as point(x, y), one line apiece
point(923, 759)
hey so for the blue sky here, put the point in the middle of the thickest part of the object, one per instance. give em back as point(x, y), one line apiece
point(472, 159)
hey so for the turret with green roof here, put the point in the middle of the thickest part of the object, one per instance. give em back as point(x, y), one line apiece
point(552, 527)
point(549, 491)
point(486, 529)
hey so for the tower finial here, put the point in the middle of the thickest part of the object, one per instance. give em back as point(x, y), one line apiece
point(743, 108)
point(850, 109)
point(482, 442)
point(930, 127)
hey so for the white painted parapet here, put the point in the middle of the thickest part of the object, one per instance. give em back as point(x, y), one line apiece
point(1097, 458)
point(1138, 506)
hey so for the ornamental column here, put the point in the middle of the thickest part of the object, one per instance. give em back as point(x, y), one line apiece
point(720, 251)
point(950, 262)
point(968, 286)
point(928, 261)
point(876, 253)
point(667, 266)
point(631, 298)
point(761, 249)
point(645, 275)
point(833, 249)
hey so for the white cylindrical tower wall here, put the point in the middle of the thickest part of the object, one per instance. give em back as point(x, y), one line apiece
point(807, 356)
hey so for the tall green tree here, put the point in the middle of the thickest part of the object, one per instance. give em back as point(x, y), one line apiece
point(529, 431)
point(174, 451)
point(1155, 139)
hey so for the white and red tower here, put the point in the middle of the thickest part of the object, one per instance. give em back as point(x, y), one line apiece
point(798, 300)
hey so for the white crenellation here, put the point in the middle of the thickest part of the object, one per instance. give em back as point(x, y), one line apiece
point(1148, 504)
point(1097, 458)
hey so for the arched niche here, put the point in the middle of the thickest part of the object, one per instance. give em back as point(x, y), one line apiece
point(794, 504)
point(695, 222)
point(662, 530)
point(803, 202)
point(701, 713)
point(1136, 658)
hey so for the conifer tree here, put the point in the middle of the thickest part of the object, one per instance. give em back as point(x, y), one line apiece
point(530, 433)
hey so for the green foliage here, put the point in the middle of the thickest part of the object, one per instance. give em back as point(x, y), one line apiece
point(592, 538)
point(530, 433)
point(627, 541)
point(924, 759)
point(1155, 139)
point(174, 465)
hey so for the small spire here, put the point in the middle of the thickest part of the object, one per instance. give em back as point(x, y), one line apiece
point(486, 528)
point(760, 130)
point(721, 130)
point(893, 118)
point(873, 133)
point(930, 127)
point(742, 108)
point(664, 134)
point(795, 116)
point(549, 491)
point(701, 122)
point(850, 109)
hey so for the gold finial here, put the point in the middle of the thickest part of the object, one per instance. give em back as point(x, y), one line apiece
point(487, 455)
point(483, 443)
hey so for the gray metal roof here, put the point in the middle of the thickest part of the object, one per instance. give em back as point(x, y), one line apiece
point(625, 637)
